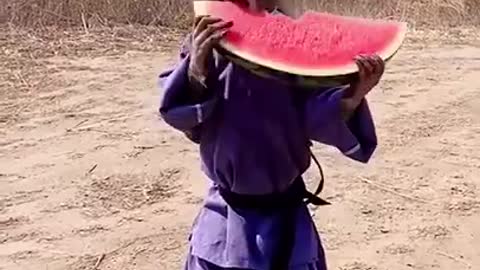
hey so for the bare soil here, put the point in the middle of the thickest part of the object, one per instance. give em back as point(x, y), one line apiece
point(91, 178)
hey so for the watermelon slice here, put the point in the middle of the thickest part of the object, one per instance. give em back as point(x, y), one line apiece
point(315, 49)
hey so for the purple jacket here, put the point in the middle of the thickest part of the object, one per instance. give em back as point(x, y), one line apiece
point(254, 136)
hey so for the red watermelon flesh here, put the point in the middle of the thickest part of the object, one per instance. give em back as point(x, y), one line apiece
point(316, 44)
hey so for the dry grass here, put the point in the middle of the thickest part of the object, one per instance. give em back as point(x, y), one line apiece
point(24, 54)
point(90, 13)
point(419, 13)
point(177, 13)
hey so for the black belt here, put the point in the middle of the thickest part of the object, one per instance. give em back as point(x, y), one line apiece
point(284, 203)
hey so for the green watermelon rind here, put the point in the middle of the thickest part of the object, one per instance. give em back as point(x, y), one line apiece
point(291, 78)
point(286, 77)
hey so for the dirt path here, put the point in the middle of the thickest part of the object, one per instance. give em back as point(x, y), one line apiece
point(89, 174)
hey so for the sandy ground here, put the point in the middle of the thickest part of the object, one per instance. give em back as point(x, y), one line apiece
point(89, 176)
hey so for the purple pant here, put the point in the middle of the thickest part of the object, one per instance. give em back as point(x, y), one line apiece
point(195, 263)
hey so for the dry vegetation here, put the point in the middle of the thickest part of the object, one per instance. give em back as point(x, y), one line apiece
point(90, 13)
point(417, 12)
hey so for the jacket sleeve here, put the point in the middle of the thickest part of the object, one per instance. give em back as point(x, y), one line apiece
point(177, 107)
point(355, 138)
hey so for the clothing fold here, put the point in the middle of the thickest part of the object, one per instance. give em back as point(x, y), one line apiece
point(254, 138)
